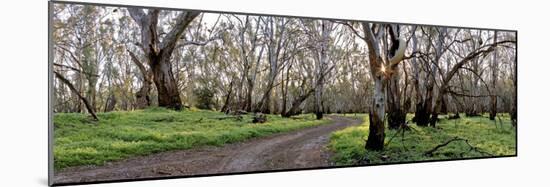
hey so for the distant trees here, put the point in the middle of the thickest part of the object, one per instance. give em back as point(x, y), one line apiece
point(302, 90)
point(397, 109)
point(80, 50)
point(250, 55)
point(478, 51)
point(276, 41)
point(319, 43)
point(89, 107)
point(430, 56)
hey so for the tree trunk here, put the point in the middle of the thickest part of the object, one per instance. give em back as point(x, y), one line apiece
point(276, 39)
point(158, 53)
point(375, 141)
point(284, 88)
point(322, 60)
point(168, 92)
point(319, 102)
point(265, 102)
point(424, 108)
point(494, 68)
point(251, 80)
point(514, 112)
point(444, 105)
point(396, 114)
point(294, 108)
point(376, 137)
point(142, 96)
point(110, 103)
point(226, 104)
point(422, 114)
point(264, 105)
point(249, 90)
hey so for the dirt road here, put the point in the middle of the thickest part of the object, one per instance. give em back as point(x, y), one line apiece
point(305, 148)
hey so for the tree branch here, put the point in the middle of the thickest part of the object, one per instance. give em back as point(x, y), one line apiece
point(146, 74)
point(73, 56)
point(75, 69)
point(351, 28)
point(466, 95)
point(370, 39)
point(197, 43)
point(148, 25)
point(398, 57)
point(138, 15)
point(182, 21)
point(480, 51)
point(72, 88)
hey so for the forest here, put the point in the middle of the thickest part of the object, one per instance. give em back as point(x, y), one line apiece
point(144, 83)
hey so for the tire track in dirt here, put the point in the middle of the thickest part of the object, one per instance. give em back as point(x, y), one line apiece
point(305, 148)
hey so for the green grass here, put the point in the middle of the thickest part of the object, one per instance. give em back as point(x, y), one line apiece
point(498, 140)
point(118, 135)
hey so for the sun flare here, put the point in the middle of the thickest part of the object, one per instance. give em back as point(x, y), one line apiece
point(382, 68)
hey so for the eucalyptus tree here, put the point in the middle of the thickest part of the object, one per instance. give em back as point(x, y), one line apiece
point(431, 48)
point(303, 86)
point(343, 82)
point(106, 50)
point(128, 50)
point(277, 33)
point(383, 56)
point(320, 42)
point(315, 51)
point(381, 66)
point(80, 48)
point(494, 79)
point(397, 104)
point(248, 38)
point(472, 51)
point(159, 52)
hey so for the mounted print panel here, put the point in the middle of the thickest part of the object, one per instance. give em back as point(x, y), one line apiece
point(143, 93)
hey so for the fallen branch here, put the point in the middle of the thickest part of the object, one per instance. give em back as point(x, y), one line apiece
point(472, 148)
point(198, 121)
point(237, 117)
point(402, 128)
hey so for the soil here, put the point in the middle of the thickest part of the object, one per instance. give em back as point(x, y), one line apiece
point(305, 148)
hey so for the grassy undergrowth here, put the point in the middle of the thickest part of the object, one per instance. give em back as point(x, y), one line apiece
point(119, 135)
point(488, 136)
